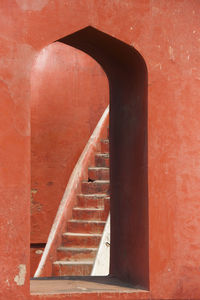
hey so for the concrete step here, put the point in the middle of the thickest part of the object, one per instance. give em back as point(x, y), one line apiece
point(78, 268)
point(85, 226)
point(102, 160)
point(105, 146)
point(98, 173)
point(88, 213)
point(91, 200)
point(69, 253)
point(95, 187)
point(81, 240)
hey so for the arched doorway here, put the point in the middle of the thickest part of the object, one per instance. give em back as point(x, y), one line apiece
point(127, 75)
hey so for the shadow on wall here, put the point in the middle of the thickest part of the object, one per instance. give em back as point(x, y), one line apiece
point(127, 74)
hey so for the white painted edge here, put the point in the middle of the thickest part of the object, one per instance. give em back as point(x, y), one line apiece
point(102, 261)
point(72, 184)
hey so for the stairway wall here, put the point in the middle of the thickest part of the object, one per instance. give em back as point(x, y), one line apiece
point(70, 199)
point(69, 94)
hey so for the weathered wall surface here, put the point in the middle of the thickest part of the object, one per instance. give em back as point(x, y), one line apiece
point(167, 34)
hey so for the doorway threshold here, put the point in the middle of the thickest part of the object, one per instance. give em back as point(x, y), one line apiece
point(84, 287)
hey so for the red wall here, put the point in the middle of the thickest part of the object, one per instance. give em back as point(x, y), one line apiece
point(166, 33)
point(69, 93)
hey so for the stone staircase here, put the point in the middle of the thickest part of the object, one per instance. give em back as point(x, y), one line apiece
point(80, 242)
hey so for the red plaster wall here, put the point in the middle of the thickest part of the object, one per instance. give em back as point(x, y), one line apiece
point(16, 63)
point(35, 256)
point(167, 35)
point(69, 93)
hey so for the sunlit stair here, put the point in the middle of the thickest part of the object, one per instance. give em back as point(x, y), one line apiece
point(80, 242)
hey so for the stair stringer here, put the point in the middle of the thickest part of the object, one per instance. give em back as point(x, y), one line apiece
point(101, 264)
point(68, 201)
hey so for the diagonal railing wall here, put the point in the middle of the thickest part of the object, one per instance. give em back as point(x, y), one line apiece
point(73, 188)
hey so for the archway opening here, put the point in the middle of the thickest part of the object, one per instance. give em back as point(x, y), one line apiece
point(127, 75)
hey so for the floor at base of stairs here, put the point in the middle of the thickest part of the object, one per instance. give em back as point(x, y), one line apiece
point(81, 284)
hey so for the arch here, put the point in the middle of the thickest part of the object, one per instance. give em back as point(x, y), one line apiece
point(127, 74)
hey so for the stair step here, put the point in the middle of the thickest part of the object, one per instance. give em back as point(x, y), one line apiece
point(80, 213)
point(105, 146)
point(102, 160)
point(91, 200)
point(85, 226)
point(69, 253)
point(78, 268)
point(95, 187)
point(81, 240)
point(98, 173)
